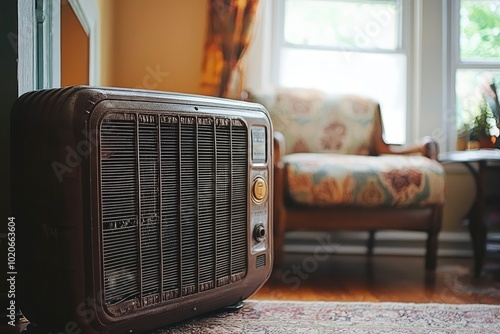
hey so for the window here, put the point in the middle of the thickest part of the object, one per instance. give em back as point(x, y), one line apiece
point(475, 60)
point(356, 46)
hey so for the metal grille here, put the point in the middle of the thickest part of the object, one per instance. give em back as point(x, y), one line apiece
point(261, 261)
point(173, 206)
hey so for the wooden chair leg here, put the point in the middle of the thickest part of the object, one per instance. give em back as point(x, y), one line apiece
point(431, 251)
point(370, 244)
point(432, 239)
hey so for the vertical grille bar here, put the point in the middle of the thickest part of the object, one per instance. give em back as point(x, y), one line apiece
point(206, 203)
point(216, 241)
point(223, 201)
point(119, 210)
point(160, 211)
point(150, 238)
point(239, 195)
point(139, 218)
point(170, 176)
point(197, 220)
point(188, 193)
point(231, 167)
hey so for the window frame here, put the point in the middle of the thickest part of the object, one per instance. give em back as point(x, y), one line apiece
point(406, 35)
point(39, 47)
point(399, 49)
point(455, 63)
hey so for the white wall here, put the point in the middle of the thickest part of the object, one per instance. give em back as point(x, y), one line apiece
point(430, 62)
point(259, 52)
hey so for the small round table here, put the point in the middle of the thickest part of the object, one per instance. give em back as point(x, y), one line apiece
point(485, 159)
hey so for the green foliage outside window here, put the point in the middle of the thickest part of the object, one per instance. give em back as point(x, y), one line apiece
point(480, 30)
point(477, 88)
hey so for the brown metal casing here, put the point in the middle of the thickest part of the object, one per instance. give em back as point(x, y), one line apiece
point(73, 147)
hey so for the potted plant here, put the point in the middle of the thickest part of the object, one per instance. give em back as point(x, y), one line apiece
point(463, 136)
point(483, 125)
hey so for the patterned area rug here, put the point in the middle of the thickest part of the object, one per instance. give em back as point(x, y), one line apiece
point(333, 317)
point(460, 280)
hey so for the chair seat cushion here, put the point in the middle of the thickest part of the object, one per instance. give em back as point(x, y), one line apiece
point(322, 179)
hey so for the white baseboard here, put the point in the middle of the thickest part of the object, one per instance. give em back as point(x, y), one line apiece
point(451, 244)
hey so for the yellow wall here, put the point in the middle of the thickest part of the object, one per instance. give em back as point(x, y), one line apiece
point(153, 44)
point(106, 33)
point(460, 195)
point(74, 49)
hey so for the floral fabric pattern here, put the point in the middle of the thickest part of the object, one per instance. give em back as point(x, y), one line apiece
point(312, 121)
point(366, 181)
point(327, 161)
point(334, 136)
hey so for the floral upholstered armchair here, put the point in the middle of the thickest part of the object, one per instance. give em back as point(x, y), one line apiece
point(333, 171)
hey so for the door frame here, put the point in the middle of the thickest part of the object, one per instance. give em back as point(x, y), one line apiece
point(39, 42)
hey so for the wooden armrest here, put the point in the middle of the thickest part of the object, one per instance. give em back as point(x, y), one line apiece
point(428, 146)
point(431, 148)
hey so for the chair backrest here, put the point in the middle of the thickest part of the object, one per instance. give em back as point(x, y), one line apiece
point(315, 122)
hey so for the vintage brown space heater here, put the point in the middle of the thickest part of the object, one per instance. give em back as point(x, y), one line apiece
point(136, 209)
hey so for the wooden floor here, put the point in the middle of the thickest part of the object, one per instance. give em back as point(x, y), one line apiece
point(381, 279)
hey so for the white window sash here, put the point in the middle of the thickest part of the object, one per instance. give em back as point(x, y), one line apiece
point(455, 64)
point(405, 48)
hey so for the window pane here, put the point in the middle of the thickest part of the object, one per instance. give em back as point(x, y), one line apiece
point(379, 76)
point(480, 30)
point(473, 87)
point(343, 24)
